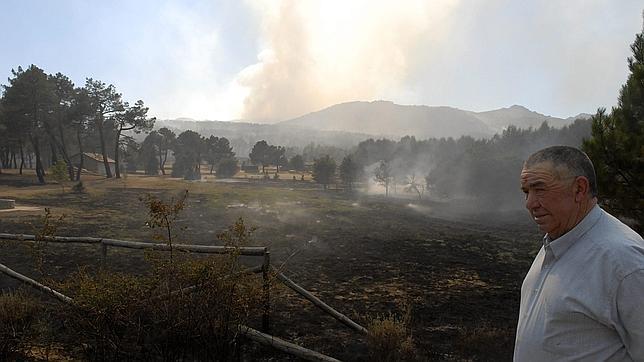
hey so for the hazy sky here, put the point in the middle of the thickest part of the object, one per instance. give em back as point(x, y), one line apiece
point(269, 60)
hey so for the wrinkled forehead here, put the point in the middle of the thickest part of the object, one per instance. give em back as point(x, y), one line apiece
point(543, 172)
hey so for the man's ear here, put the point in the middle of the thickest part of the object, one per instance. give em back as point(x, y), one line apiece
point(581, 188)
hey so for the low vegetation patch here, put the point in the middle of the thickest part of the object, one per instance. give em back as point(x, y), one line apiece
point(19, 315)
point(389, 338)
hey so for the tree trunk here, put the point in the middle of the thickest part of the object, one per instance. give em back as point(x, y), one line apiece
point(165, 158)
point(161, 161)
point(54, 157)
point(80, 154)
point(31, 160)
point(22, 157)
point(40, 172)
point(116, 154)
point(63, 149)
point(108, 172)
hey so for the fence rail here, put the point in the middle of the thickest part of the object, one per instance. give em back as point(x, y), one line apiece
point(209, 249)
point(319, 303)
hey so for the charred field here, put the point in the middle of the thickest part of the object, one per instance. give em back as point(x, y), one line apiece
point(459, 271)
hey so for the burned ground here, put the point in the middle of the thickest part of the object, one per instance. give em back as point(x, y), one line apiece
point(365, 256)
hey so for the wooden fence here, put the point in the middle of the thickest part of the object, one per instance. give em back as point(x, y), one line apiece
point(265, 268)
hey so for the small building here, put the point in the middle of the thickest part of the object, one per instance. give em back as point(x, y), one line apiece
point(93, 162)
point(249, 167)
point(308, 166)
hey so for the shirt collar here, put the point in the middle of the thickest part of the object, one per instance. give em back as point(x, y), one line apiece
point(561, 244)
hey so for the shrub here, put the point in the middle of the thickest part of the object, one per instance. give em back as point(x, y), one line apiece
point(151, 164)
point(18, 315)
point(105, 320)
point(79, 188)
point(389, 338)
point(485, 341)
point(227, 168)
point(192, 174)
point(59, 173)
point(183, 309)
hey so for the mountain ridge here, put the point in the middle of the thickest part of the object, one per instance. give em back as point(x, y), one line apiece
point(391, 119)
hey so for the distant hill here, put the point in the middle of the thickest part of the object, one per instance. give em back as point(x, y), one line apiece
point(519, 116)
point(390, 119)
point(579, 116)
point(345, 125)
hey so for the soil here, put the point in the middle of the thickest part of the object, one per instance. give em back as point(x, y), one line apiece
point(367, 256)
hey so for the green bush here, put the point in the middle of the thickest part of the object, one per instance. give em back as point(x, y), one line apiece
point(59, 173)
point(227, 168)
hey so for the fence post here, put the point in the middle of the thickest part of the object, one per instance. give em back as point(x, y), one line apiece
point(103, 254)
point(266, 267)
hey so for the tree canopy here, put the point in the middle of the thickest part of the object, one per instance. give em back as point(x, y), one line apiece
point(216, 150)
point(617, 144)
point(188, 153)
point(48, 117)
point(324, 170)
point(265, 154)
point(350, 171)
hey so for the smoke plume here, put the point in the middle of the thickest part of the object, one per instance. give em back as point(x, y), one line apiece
point(317, 53)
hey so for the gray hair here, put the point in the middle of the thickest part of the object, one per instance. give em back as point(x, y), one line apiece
point(573, 159)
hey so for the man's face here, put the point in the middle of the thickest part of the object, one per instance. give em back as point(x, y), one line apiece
point(550, 198)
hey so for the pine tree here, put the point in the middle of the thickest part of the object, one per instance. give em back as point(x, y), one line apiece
point(59, 173)
point(617, 144)
point(349, 171)
point(324, 170)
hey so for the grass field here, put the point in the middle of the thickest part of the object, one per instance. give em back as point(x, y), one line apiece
point(365, 255)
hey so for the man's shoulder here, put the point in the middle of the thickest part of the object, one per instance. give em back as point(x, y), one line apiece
point(616, 245)
point(612, 228)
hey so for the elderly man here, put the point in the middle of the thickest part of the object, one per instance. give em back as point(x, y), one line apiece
point(583, 298)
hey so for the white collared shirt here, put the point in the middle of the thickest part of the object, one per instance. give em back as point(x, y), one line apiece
point(583, 298)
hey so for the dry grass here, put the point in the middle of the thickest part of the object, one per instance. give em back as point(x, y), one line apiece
point(484, 341)
point(18, 318)
point(389, 338)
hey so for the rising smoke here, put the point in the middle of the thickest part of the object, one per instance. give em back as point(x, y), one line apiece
point(316, 54)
